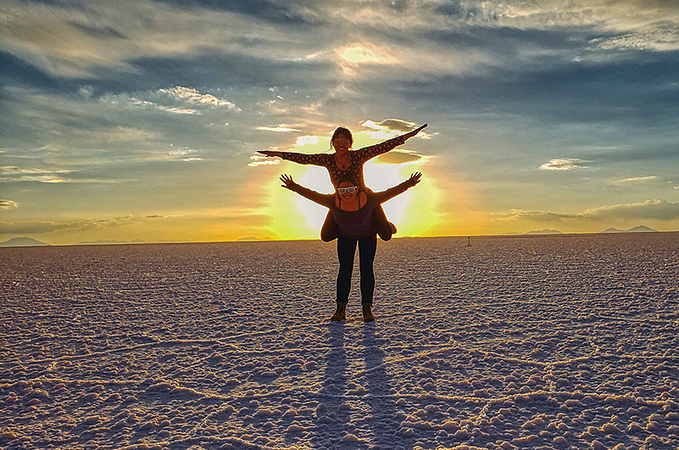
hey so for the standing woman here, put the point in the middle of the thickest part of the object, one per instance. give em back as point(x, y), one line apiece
point(345, 161)
point(352, 209)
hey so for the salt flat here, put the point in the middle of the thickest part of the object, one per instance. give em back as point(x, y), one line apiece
point(513, 342)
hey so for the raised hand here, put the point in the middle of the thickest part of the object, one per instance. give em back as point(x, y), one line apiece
point(414, 178)
point(414, 132)
point(287, 180)
point(269, 152)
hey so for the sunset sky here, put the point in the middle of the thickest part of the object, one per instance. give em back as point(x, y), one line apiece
point(138, 119)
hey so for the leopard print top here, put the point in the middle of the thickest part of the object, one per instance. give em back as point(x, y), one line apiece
point(357, 159)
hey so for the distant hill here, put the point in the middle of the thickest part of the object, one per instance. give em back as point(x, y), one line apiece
point(642, 229)
point(545, 231)
point(107, 242)
point(638, 229)
point(23, 242)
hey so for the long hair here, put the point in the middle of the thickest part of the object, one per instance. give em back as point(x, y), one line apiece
point(344, 132)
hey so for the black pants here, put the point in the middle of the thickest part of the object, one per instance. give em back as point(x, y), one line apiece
point(346, 248)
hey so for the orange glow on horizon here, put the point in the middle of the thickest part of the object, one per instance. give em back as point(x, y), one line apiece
point(414, 212)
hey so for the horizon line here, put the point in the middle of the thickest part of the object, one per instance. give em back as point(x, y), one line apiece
point(255, 240)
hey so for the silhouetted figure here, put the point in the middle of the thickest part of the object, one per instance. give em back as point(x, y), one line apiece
point(345, 161)
point(352, 210)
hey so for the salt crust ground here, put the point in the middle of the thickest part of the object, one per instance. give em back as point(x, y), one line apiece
point(542, 342)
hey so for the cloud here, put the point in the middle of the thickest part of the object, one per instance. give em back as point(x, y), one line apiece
point(154, 216)
point(390, 124)
point(261, 160)
point(650, 209)
point(14, 170)
point(306, 140)
point(282, 128)
point(14, 174)
point(262, 9)
point(635, 180)
point(351, 57)
point(184, 154)
point(39, 227)
point(8, 204)
point(191, 95)
point(398, 157)
point(175, 100)
point(563, 164)
point(389, 128)
point(539, 216)
point(86, 40)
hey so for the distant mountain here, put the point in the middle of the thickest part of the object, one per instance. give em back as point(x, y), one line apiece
point(545, 231)
point(639, 229)
point(642, 229)
point(23, 242)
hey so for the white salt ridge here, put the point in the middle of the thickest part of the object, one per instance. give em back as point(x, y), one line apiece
point(540, 342)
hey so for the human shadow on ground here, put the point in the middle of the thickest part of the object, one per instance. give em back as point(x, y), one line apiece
point(331, 418)
point(383, 423)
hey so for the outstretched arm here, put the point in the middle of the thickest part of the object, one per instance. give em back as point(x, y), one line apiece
point(399, 189)
point(367, 153)
point(322, 199)
point(300, 158)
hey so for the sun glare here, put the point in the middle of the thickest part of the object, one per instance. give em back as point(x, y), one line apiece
point(414, 212)
point(317, 179)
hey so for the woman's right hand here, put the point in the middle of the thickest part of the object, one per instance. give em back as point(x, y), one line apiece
point(270, 153)
point(414, 178)
point(287, 180)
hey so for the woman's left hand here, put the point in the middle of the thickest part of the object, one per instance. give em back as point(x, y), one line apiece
point(414, 178)
point(287, 180)
point(414, 132)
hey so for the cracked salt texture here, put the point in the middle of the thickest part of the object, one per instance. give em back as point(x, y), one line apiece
point(533, 342)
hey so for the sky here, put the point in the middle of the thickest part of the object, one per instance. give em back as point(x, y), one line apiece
point(141, 120)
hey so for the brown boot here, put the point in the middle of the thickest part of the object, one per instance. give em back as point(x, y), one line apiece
point(341, 313)
point(367, 313)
